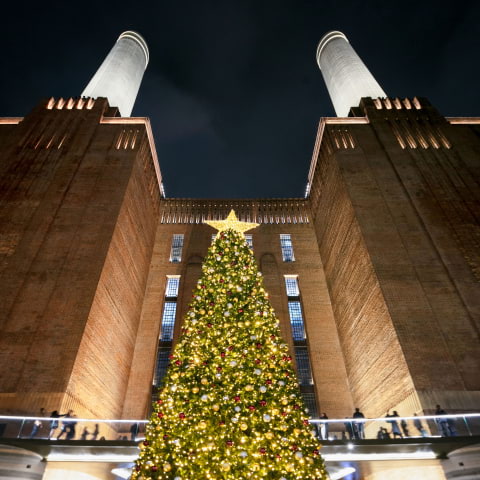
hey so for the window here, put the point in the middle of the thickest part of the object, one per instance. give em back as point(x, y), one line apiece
point(310, 403)
point(162, 364)
point(303, 366)
point(296, 320)
point(171, 290)
point(177, 246)
point(287, 247)
point(168, 321)
point(291, 285)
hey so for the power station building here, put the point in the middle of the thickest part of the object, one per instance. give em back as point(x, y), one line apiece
point(374, 274)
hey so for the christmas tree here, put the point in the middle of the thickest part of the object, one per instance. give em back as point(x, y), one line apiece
point(230, 406)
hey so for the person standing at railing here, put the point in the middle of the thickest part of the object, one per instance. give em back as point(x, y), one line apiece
point(417, 423)
point(324, 427)
point(37, 424)
point(54, 423)
point(358, 427)
point(442, 423)
point(395, 429)
point(66, 425)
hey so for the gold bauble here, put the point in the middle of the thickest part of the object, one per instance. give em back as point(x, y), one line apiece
point(210, 312)
point(202, 425)
point(225, 466)
point(297, 431)
point(249, 388)
point(167, 467)
point(215, 408)
point(202, 312)
point(243, 426)
point(195, 390)
point(174, 376)
point(255, 467)
point(290, 467)
point(203, 381)
point(284, 401)
point(269, 435)
point(275, 411)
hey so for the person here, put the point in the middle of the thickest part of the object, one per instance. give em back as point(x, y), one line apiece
point(417, 423)
point(71, 428)
point(404, 426)
point(359, 427)
point(65, 424)
point(95, 432)
point(383, 434)
point(54, 423)
point(85, 434)
point(324, 427)
point(349, 430)
point(395, 429)
point(37, 424)
point(133, 431)
point(442, 422)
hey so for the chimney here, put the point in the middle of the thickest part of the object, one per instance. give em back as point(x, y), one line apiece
point(346, 76)
point(119, 76)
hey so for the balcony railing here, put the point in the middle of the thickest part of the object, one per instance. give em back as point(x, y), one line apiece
point(389, 428)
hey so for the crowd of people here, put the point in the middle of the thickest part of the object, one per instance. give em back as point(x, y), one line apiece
point(61, 426)
point(354, 428)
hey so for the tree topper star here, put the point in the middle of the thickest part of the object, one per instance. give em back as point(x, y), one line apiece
point(231, 222)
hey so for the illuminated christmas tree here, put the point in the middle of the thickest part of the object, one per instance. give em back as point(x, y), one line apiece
point(230, 406)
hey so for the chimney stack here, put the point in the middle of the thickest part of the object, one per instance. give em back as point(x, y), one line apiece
point(119, 77)
point(346, 76)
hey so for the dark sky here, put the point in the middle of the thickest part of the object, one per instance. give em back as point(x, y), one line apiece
point(232, 89)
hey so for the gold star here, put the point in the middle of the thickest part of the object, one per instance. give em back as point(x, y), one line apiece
point(231, 222)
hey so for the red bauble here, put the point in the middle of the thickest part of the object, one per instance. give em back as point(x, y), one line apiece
point(263, 403)
point(181, 415)
point(305, 422)
point(209, 325)
point(257, 361)
point(315, 452)
point(262, 451)
point(222, 354)
point(296, 407)
point(229, 443)
point(259, 345)
point(146, 443)
point(268, 382)
point(154, 468)
point(160, 415)
point(165, 437)
point(251, 407)
point(236, 398)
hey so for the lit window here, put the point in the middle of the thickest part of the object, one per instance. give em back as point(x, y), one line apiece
point(291, 285)
point(168, 321)
point(287, 247)
point(296, 320)
point(176, 251)
point(303, 365)
point(171, 290)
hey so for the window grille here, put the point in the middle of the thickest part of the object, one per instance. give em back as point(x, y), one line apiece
point(171, 290)
point(177, 246)
point(296, 320)
point(303, 366)
point(310, 403)
point(287, 247)
point(168, 321)
point(162, 364)
point(291, 285)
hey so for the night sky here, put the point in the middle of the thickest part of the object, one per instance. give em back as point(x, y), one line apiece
point(232, 90)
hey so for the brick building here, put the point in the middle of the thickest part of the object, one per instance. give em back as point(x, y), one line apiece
point(374, 275)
